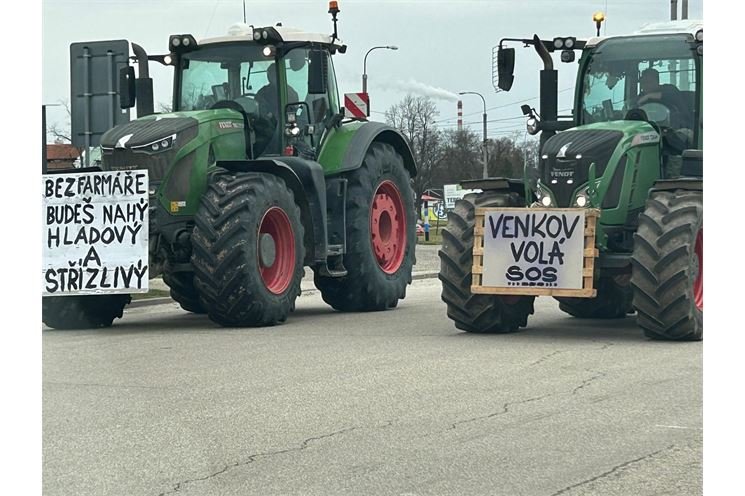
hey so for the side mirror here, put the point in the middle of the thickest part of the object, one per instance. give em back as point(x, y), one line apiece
point(318, 70)
point(127, 92)
point(505, 68)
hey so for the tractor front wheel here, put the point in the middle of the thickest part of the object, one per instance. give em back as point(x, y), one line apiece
point(182, 289)
point(668, 266)
point(83, 311)
point(248, 250)
point(381, 230)
point(480, 313)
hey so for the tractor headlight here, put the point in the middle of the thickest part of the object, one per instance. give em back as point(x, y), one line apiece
point(700, 35)
point(582, 199)
point(532, 125)
point(543, 195)
point(157, 146)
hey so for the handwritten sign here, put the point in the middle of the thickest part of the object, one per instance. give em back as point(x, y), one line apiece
point(95, 233)
point(534, 248)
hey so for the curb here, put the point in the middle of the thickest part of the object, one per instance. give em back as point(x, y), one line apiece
point(165, 299)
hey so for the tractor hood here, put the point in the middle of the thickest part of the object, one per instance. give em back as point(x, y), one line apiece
point(566, 157)
point(148, 130)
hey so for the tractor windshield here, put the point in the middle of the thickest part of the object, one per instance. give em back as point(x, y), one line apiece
point(655, 74)
point(240, 73)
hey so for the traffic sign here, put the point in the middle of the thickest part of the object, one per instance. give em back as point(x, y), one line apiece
point(357, 105)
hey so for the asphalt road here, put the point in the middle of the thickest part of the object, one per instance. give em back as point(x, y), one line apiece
point(392, 403)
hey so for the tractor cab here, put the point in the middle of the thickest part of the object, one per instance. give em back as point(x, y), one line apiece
point(281, 81)
point(652, 76)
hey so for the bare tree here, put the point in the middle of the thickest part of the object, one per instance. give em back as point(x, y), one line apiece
point(62, 132)
point(461, 157)
point(415, 117)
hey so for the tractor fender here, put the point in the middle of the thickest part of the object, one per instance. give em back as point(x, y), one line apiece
point(306, 180)
point(686, 183)
point(364, 136)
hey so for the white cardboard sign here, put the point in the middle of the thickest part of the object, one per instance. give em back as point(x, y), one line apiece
point(95, 233)
point(534, 248)
point(453, 193)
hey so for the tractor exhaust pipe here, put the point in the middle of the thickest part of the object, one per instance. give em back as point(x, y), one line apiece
point(144, 83)
point(549, 79)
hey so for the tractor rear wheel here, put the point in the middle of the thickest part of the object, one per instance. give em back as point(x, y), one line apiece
point(247, 250)
point(182, 288)
point(83, 311)
point(667, 266)
point(613, 301)
point(381, 231)
point(479, 313)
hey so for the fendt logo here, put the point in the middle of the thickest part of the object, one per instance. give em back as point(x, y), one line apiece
point(562, 173)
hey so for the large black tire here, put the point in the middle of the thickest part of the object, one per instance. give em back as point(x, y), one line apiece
point(476, 312)
point(613, 301)
point(373, 284)
point(236, 211)
point(83, 311)
point(667, 266)
point(182, 289)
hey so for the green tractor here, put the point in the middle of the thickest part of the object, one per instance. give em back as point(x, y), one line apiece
point(255, 174)
point(632, 149)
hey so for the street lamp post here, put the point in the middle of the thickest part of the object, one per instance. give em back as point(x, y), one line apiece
point(485, 173)
point(364, 65)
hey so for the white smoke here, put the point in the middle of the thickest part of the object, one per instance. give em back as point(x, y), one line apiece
point(413, 86)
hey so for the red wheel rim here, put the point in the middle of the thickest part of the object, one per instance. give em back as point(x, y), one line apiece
point(388, 227)
point(698, 282)
point(277, 275)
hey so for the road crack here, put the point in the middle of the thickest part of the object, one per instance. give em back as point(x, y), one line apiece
point(505, 409)
point(252, 458)
point(546, 357)
point(612, 471)
point(589, 381)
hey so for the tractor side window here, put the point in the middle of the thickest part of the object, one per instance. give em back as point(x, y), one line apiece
point(333, 90)
point(296, 72)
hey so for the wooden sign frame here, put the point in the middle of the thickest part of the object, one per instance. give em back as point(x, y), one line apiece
point(590, 253)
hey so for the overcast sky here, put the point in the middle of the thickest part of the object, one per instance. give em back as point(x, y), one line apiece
point(443, 44)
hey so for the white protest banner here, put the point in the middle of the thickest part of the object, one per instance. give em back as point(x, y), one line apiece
point(534, 249)
point(454, 192)
point(95, 233)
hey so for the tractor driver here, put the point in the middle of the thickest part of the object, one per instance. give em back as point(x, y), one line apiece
point(680, 134)
point(268, 95)
point(650, 90)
